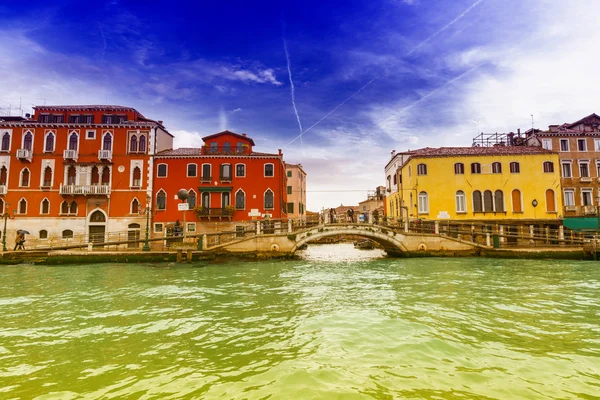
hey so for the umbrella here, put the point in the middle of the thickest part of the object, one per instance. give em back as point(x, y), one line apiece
point(24, 232)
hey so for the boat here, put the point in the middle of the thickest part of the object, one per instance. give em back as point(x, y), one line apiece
point(365, 244)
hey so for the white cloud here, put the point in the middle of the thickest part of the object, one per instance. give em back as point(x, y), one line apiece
point(185, 138)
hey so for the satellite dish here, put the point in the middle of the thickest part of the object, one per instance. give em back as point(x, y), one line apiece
point(183, 194)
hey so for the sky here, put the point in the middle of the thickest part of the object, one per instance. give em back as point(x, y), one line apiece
point(337, 85)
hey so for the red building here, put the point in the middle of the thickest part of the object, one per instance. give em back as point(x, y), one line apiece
point(226, 180)
point(78, 170)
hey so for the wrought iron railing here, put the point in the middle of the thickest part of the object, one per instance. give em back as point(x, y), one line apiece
point(224, 150)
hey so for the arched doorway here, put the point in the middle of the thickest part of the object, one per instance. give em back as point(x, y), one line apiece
point(97, 226)
point(133, 233)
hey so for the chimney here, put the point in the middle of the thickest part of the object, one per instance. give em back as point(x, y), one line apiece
point(160, 122)
point(519, 131)
point(553, 128)
point(243, 134)
point(280, 153)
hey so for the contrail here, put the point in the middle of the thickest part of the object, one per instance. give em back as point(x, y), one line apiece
point(331, 112)
point(455, 20)
point(292, 89)
point(434, 91)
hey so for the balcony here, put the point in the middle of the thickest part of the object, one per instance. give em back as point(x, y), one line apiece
point(224, 151)
point(205, 212)
point(70, 155)
point(590, 209)
point(225, 178)
point(585, 179)
point(3, 190)
point(24, 154)
point(105, 155)
point(85, 190)
point(206, 179)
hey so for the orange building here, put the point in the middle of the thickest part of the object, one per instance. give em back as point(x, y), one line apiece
point(226, 181)
point(71, 170)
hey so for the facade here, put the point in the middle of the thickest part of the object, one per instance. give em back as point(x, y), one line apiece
point(502, 183)
point(72, 171)
point(296, 192)
point(227, 182)
point(374, 202)
point(578, 147)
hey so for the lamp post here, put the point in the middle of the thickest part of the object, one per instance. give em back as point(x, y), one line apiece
point(148, 211)
point(5, 215)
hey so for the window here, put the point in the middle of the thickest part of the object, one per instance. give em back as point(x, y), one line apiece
point(161, 200)
point(191, 227)
point(597, 144)
point(459, 168)
point(240, 170)
point(87, 119)
point(142, 144)
point(289, 190)
point(161, 171)
point(423, 203)
point(5, 142)
point(73, 119)
point(105, 176)
point(44, 118)
point(158, 227)
point(22, 206)
point(550, 202)
point(597, 171)
point(395, 180)
point(225, 199)
point(581, 145)
point(45, 207)
point(499, 201)
point(47, 177)
point(28, 141)
point(389, 183)
point(206, 173)
point(496, 168)
point(569, 197)
point(107, 142)
point(119, 119)
point(461, 202)
point(64, 208)
point(135, 206)
point(269, 200)
point(43, 234)
point(73, 139)
point(239, 148)
point(289, 174)
point(564, 144)
point(227, 148)
point(107, 119)
point(475, 168)
point(488, 201)
point(290, 208)
point(73, 209)
point(566, 170)
point(477, 201)
point(225, 172)
point(133, 147)
point(422, 169)
point(206, 199)
point(3, 176)
point(58, 119)
point(192, 170)
point(547, 144)
point(240, 200)
point(214, 148)
point(515, 167)
point(90, 134)
point(95, 178)
point(49, 146)
point(269, 170)
point(25, 177)
point(516, 201)
point(191, 199)
point(67, 234)
point(584, 169)
point(548, 166)
point(136, 178)
point(586, 197)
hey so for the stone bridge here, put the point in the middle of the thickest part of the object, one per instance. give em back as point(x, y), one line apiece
point(394, 241)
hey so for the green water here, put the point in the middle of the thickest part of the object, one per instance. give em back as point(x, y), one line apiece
point(339, 324)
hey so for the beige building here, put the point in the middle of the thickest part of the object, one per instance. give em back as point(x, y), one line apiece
point(374, 202)
point(296, 191)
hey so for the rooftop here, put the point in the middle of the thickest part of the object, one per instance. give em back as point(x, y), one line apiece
point(228, 132)
point(478, 151)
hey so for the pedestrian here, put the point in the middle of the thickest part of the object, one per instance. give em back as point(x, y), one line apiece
point(19, 240)
point(177, 229)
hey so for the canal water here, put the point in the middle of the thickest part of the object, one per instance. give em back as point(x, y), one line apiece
point(338, 323)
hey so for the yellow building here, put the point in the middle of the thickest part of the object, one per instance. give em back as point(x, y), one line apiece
point(502, 184)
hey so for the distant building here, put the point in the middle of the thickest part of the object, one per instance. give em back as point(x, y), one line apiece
point(373, 206)
point(296, 191)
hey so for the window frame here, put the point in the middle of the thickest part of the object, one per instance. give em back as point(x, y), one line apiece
point(46, 142)
point(187, 170)
point(549, 170)
point(475, 168)
point(87, 134)
point(547, 144)
point(562, 169)
point(579, 147)
point(421, 169)
point(244, 199)
point(496, 167)
point(156, 225)
point(423, 203)
point(272, 206)
point(158, 175)
point(586, 165)
point(567, 147)
point(272, 170)
point(514, 167)
point(243, 168)
point(571, 192)
point(459, 197)
point(460, 170)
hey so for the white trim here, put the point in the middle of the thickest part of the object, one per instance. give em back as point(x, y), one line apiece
point(187, 170)
point(195, 194)
point(572, 191)
point(46, 134)
point(202, 199)
point(236, 174)
point(19, 206)
point(560, 141)
point(162, 227)
point(21, 177)
point(42, 206)
point(131, 206)
point(235, 199)
point(464, 200)
point(166, 171)
point(264, 198)
point(223, 195)
point(2, 133)
point(112, 139)
point(156, 199)
point(202, 177)
point(71, 133)
point(88, 131)
point(570, 163)
point(579, 140)
point(423, 210)
point(187, 226)
point(265, 170)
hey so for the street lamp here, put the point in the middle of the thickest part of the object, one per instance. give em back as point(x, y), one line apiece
point(5, 216)
point(148, 211)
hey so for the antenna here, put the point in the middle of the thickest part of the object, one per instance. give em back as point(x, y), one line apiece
point(532, 130)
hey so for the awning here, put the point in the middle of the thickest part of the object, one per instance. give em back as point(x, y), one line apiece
point(215, 188)
point(581, 224)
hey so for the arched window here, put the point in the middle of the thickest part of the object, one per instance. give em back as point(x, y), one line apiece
point(73, 209)
point(161, 200)
point(73, 141)
point(28, 141)
point(106, 176)
point(64, 208)
point(496, 168)
point(477, 201)
point(142, 144)
point(516, 201)
point(133, 144)
point(67, 234)
point(49, 147)
point(423, 203)
point(43, 234)
point(71, 175)
point(488, 201)
point(548, 166)
point(3, 176)
point(97, 216)
point(515, 168)
point(459, 168)
point(422, 169)
point(25, 177)
point(191, 199)
point(107, 142)
point(475, 168)
point(135, 206)
point(240, 200)
point(269, 200)
point(461, 200)
point(137, 177)
point(45, 208)
point(22, 206)
point(95, 178)
point(47, 177)
point(6, 142)
point(550, 201)
point(499, 200)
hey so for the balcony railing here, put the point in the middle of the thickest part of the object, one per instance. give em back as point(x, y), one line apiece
point(3, 190)
point(104, 154)
point(222, 151)
point(85, 189)
point(214, 212)
point(585, 179)
point(589, 209)
point(24, 154)
point(225, 178)
point(206, 179)
point(70, 155)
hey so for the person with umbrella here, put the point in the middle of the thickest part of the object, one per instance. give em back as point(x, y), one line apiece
point(20, 239)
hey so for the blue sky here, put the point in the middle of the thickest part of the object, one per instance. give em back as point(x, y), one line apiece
point(368, 76)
